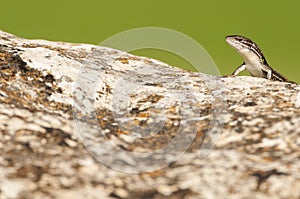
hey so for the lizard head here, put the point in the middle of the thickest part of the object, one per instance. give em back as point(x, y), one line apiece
point(246, 48)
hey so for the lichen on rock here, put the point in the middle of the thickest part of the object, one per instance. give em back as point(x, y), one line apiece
point(83, 121)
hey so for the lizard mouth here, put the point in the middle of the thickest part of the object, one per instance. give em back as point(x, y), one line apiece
point(232, 42)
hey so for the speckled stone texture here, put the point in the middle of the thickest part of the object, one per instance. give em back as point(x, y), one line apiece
point(257, 154)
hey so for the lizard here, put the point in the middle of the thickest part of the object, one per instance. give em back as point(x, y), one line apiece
point(254, 60)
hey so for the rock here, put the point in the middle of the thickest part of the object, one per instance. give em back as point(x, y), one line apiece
point(83, 121)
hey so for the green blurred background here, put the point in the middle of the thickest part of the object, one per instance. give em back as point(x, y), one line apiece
point(274, 25)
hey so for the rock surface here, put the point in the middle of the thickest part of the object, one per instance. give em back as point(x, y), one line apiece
point(81, 121)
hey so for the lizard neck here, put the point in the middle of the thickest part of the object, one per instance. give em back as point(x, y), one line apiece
point(254, 63)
